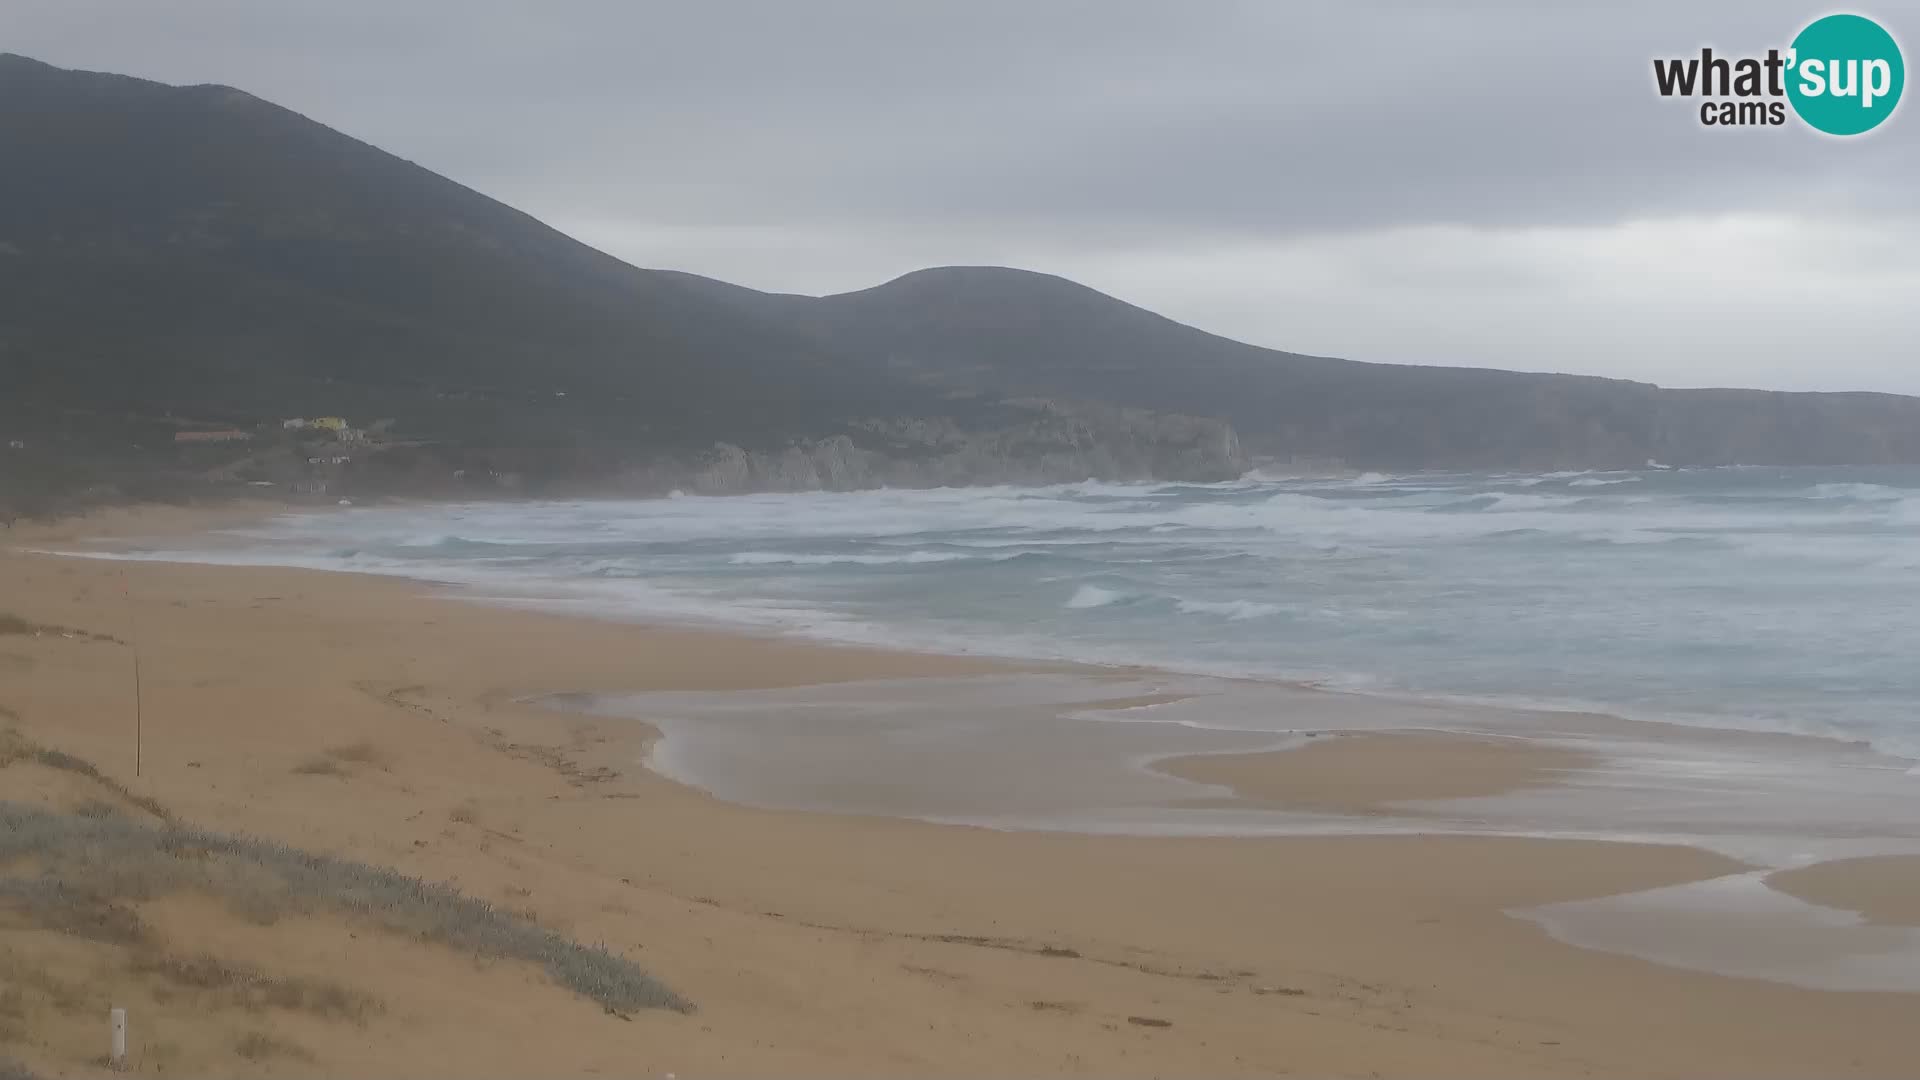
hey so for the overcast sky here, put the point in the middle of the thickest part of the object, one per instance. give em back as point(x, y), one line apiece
point(1491, 183)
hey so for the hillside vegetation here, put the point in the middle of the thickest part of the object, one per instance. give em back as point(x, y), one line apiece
point(193, 259)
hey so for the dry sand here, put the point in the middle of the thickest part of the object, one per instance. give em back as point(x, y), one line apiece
point(811, 944)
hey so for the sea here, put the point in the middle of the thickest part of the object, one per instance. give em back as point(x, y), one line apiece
point(1763, 598)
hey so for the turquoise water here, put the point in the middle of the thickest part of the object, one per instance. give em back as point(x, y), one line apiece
point(1765, 598)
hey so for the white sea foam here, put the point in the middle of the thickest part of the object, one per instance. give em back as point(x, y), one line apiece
point(911, 558)
point(1093, 596)
point(1514, 500)
point(1232, 609)
point(1858, 492)
point(1767, 597)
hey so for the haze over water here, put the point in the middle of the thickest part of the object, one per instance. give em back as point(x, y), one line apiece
point(1764, 598)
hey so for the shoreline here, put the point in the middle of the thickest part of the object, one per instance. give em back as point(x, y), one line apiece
point(826, 942)
point(121, 524)
point(1378, 771)
point(1375, 771)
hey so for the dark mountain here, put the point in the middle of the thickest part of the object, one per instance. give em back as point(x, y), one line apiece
point(1014, 331)
point(174, 258)
point(200, 251)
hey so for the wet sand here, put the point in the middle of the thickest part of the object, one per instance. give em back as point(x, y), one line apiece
point(1378, 773)
point(812, 943)
point(1883, 889)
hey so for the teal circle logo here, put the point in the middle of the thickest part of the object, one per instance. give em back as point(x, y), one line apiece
point(1846, 74)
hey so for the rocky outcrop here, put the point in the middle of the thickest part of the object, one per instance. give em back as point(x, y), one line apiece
point(1056, 443)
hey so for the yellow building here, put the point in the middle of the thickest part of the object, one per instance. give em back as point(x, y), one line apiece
point(328, 423)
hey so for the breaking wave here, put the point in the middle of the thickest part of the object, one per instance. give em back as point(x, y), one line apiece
point(1761, 597)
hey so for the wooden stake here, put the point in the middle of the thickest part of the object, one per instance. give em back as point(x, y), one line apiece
point(133, 644)
point(138, 723)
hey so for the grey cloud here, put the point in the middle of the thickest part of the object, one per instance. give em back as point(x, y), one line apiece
point(824, 145)
point(1255, 116)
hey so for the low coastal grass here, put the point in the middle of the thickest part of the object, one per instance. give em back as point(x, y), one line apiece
point(14, 624)
point(14, 747)
point(65, 762)
point(93, 867)
point(251, 989)
point(259, 1046)
point(335, 760)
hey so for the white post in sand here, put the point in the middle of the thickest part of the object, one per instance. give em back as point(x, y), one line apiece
point(118, 1017)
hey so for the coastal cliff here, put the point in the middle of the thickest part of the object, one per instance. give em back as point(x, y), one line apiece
point(1056, 445)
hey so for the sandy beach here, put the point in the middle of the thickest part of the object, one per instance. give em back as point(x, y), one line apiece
point(383, 721)
point(1366, 773)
